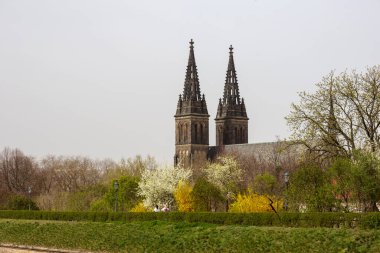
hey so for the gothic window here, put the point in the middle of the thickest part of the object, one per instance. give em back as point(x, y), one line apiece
point(185, 134)
point(201, 134)
point(180, 133)
point(226, 140)
point(195, 133)
point(177, 134)
point(241, 135)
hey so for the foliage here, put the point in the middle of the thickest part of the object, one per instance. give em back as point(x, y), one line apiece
point(341, 116)
point(101, 205)
point(82, 200)
point(253, 202)
point(366, 180)
point(18, 202)
point(157, 186)
point(342, 175)
point(311, 188)
point(127, 196)
point(357, 180)
point(265, 183)
point(183, 196)
point(206, 196)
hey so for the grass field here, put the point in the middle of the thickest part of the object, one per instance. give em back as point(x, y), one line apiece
point(160, 236)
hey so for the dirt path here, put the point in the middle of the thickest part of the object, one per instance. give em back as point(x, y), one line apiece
point(8, 248)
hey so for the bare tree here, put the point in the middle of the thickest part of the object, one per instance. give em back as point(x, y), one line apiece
point(17, 171)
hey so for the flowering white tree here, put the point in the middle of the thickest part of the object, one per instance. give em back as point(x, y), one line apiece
point(158, 186)
point(226, 174)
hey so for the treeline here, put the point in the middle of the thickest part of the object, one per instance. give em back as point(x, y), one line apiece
point(231, 183)
point(61, 183)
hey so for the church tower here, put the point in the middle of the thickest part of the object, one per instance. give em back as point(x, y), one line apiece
point(231, 117)
point(191, 120)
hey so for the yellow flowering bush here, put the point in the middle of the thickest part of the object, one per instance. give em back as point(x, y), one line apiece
point(139, 208)
point(183, 196)
point(253, 202)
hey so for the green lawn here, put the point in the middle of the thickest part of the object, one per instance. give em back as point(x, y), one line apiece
point(160, 236)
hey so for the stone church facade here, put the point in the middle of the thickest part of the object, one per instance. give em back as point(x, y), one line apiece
point(192, 147)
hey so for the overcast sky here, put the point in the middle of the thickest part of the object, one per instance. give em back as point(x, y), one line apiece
point(102, 78)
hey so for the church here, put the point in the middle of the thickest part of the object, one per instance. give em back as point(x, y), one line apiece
point(192, 147)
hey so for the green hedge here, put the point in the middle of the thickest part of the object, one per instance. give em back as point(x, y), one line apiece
point(350, 220)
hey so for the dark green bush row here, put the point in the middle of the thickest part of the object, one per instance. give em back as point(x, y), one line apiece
point(350, 220)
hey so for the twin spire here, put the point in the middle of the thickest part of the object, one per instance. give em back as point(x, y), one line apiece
point(191, 101)
point(191, 89)
point(192, 118)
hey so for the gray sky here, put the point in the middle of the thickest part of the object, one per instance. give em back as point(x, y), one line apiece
point(102, 78)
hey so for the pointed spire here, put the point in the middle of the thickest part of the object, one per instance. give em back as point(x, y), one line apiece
point(191, 90)
point(231, 105)
point(231, 88)
point(331, 119)
point(191, 100)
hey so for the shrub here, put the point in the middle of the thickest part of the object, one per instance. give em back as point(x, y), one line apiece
point(100, 205)
point(139, 208)
point(311, 186)
point(127, 193)
point(252, 202)
point(21, 203)
point(325, 219)
point(206, 196)
point(183, 197)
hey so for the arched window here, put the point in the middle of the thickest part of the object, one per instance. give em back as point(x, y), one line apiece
point(177, 134)
point(185, 134)
point(241, 135)
point(180, 133)
point(226, 139)
point(195, 133)
point(201, 134)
